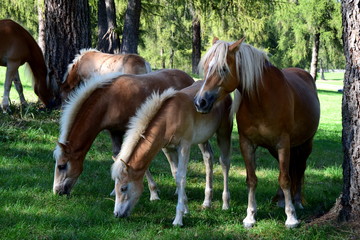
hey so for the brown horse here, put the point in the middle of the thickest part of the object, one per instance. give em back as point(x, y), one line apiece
point(170, 121)
point(17, 46)
point(278, 110)
point(104, 102)
point(92, 61)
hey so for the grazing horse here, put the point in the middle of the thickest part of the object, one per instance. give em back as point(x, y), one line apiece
point(92, 61)
point(278, 110)
point(170, 121)
point(104, 102)
point(17, 46)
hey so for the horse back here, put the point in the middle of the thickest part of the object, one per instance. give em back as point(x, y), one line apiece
point(15, 42)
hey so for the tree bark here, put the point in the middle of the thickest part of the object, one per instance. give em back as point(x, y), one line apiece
point(314, 56)
point(349, 204)
point(130, 38)
point(196, 44)
point(41, 38)
point(67, 30)
point(108, 39)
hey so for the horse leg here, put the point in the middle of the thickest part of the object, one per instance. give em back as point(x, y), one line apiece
point(224, 142)
point(11, 71)
point(19, 88)
point(183, 155)
point(172, 157)
point(208, 157)
point(298, 158)
point(248, 152)
point(285, 182)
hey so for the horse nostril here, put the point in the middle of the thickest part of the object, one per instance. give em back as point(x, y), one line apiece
point(203, 103)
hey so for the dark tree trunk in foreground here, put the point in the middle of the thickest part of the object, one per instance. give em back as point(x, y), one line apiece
point(314, 56)
point(349, 204)
point(108, 39)
point(67, 30)
point(130, 39)
point(196, 44)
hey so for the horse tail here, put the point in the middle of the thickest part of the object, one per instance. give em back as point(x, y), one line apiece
point(148, 67)
point(235, 104)
point(28, 72)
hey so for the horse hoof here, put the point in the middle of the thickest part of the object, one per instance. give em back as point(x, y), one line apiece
point(248, 224)
point(292, 225)
point(225, 207)
point(154, 198)
point(206, 205)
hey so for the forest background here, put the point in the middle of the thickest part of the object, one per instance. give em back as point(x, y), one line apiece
point(299, 33)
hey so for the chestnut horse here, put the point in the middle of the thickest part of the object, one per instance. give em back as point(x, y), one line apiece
point(104, 102)
point(170, 121)
point(92, 61)
point(17, 46)
point(278, 110)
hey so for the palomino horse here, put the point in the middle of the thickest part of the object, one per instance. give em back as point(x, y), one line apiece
point(104, 102)
point(92, 61)
point(17, 46)
point(170, 121)
point(278, 110)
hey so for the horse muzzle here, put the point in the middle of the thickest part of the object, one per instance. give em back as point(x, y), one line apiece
point(204, 104)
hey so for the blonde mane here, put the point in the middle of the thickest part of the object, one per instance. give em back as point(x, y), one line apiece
point(76, 59)
point(137, 126)
point(249, 62)
point(76, 100)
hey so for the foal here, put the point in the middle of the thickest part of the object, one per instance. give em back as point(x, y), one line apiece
point(171, 121)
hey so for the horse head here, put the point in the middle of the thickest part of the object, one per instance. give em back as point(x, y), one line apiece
point(128, 188)
point(220, 74)
point(66, 173)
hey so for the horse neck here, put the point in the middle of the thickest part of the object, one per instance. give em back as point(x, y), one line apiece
point(37, 62)
point(151, 142)
point(85, 127)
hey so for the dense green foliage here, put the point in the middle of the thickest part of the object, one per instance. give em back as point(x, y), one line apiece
point(29, 210)
point(283, 28)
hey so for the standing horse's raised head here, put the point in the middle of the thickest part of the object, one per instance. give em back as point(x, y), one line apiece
point(66, 174)
point(128, 188)
point(220, 74)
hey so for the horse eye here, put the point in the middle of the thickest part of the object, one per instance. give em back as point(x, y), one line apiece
point(62, 167)
point(224, 69)
point(124, 188)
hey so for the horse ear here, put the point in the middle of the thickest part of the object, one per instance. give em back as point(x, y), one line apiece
point(64, 147)
point(215, 40)
point(235, 46)
point(113, 158)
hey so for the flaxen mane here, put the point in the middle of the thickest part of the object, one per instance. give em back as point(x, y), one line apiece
point(76, 59)
point(137, 126)
point(249, 63)
point(76, 100)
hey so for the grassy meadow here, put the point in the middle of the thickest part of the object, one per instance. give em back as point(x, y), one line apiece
point(29, 210)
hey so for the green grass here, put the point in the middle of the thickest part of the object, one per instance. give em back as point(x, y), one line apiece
point(29, 210)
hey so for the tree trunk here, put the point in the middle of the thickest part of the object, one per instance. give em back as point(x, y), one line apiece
point(67, 30)
point(130, 38)
point(314, 56)
point(349, 204)
point(108, 39)
point(41, 38)
point(322, 71)
point(196, 44)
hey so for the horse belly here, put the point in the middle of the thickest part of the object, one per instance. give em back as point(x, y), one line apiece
point(204, 130)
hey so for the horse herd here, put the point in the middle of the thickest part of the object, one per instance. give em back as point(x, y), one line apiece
point(146, 112)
